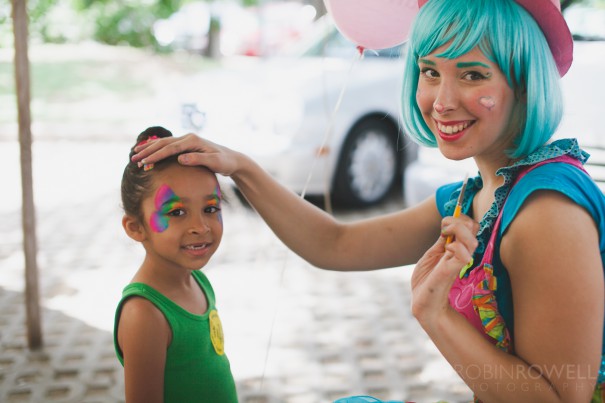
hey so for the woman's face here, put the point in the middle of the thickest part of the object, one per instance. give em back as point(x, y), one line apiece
point(467, 104)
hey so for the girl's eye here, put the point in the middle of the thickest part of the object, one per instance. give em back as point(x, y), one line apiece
point(212, 209)
point(176, 212)
point(429, 73)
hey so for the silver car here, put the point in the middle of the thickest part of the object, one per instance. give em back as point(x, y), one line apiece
point(321, 119)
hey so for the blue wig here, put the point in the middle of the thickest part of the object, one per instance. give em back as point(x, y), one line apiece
point(509, 37)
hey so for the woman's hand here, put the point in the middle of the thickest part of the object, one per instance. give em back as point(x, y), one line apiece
point(436, 271)
point(192, 150)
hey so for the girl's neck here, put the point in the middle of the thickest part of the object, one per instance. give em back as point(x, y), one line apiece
point(161, 277)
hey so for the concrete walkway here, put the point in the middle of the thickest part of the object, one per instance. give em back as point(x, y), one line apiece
point(294, 334)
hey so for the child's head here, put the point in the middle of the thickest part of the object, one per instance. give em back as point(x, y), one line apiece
point(136, 181)
point(172, 209)
point(507, 35)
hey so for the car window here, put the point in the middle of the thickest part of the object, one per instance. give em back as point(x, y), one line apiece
point(326, 41)
point(333, 44)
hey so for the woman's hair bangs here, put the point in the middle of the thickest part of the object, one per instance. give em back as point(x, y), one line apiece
point(507, 35)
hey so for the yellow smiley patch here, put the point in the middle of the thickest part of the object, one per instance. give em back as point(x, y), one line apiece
point(216, 332)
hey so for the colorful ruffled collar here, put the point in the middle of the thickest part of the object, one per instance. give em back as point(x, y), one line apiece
point(555, 149)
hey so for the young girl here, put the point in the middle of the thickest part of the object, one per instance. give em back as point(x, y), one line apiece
point(512, 290)
point(168, 334)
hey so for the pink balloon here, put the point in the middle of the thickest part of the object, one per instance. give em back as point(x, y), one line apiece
point(373, 24)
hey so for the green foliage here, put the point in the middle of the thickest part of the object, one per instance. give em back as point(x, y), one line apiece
point(125, 25)
point(6, 29)
point(127, 22)
point(567, 3)
point(37, 9)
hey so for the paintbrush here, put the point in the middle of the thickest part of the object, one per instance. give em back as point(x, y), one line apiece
point(458, 209)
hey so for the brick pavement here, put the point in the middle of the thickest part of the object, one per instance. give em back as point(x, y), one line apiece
point(293, 333)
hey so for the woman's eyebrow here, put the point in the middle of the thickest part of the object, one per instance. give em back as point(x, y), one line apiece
point(427, 61)
point(471, 64)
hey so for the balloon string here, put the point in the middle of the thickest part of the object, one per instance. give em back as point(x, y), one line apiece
point(280, 286)
point(329, 131)
point(327, 136)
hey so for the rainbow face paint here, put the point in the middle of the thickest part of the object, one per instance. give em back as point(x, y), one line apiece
point(215, 201)
point(165, 202)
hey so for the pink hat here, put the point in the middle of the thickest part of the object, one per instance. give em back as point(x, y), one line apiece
point(547, 14)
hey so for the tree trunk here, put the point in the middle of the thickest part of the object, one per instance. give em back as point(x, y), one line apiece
point(213, 50)
point(32, 303)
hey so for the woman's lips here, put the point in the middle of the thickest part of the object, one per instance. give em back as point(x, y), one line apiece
point(452, 131)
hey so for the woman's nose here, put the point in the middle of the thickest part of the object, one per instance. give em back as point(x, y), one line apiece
point(446, 100)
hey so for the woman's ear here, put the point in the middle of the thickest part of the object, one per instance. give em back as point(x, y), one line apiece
point(133, 227)
point(521, 95)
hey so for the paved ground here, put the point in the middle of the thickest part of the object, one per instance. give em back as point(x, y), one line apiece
point(294, 334)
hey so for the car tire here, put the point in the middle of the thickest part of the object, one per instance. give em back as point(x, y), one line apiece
point(369, 164)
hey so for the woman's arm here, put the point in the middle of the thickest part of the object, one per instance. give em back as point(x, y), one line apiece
point(552, 255)
point(388, 241)
point(144, 336)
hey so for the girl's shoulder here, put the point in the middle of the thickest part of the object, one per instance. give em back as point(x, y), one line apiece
point(137, 316)
point(206, 286)
point(141, 313)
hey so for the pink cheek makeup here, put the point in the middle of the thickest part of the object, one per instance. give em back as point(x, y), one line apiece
point(165, 201)
point(487, 102)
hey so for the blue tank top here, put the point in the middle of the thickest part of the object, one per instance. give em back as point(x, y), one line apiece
point(557, 176)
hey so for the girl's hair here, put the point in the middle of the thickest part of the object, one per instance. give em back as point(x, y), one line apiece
point(136, 182)
point(509, 37)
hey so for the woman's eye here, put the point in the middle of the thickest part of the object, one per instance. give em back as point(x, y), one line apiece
point(429, 73)
point(473, 76)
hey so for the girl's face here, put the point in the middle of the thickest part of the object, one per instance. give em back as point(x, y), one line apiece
point(467, 104)
point(183, 221)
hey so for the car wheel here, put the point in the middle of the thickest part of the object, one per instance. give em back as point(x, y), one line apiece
point(368, 164)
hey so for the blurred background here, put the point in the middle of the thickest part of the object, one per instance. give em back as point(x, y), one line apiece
point(271, 78)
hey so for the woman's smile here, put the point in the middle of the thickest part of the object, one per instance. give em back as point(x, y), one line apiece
point(453, 130)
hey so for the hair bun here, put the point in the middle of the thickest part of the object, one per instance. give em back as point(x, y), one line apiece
point(153, 132)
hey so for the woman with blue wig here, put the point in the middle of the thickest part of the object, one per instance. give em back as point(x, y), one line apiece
point(509, 280)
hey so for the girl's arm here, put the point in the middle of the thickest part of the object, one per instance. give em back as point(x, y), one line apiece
point(144, 336)
point(388, 241)
point(552, 254)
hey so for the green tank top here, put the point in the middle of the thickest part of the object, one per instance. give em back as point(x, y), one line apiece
point(197, 369)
